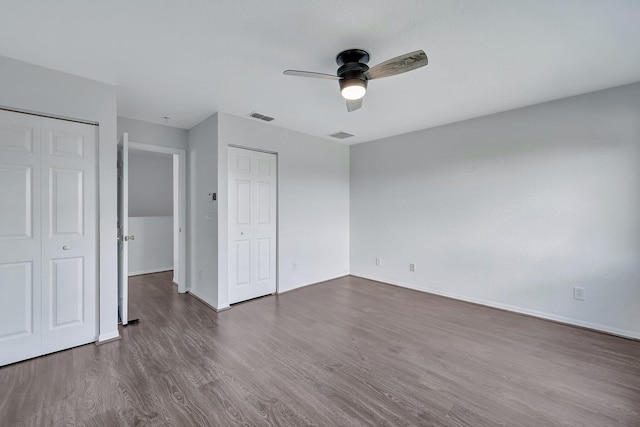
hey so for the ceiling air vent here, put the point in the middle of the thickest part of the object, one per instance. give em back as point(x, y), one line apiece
point(341, 135)
point(261, 117)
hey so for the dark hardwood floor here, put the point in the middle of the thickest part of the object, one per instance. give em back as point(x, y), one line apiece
point(341, 353)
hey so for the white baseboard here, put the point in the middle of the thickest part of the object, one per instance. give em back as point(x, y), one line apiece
point(207, 302)
point(153, 270)
point(103, 338)
point(315, 282)
point(534, 313)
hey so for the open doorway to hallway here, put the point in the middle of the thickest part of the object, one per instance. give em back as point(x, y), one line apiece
point(152, 215)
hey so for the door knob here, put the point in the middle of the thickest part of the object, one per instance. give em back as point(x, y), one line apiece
point(66, 247)
point(127, 238)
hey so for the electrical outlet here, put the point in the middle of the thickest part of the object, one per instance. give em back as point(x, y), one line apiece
point(294, 266)
point(578, 293)
point(412, 267)
point(379, 262)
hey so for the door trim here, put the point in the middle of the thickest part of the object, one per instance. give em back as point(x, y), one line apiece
point(178, 155)
point(48, 116)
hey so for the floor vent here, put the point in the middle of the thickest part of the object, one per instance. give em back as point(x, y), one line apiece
point(341, 135)
point(261, 117)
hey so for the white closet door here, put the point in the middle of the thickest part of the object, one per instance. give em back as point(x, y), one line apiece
point(252, 224)
point(20, 237)
point(48, 242)
point(69, 245)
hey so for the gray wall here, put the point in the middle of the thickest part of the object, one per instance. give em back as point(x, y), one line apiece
point(152, 133)
point(511, 210)
point(313, 199)
point(202, 274)
point(150, 184)
point(313, 204)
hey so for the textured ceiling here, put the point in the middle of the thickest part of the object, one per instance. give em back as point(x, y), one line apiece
point(189, 59)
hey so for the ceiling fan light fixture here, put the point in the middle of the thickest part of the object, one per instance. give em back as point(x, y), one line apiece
point(353, 89)
point(353, 72)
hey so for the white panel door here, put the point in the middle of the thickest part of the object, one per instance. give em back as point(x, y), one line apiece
point(123, 229)
point(20, 237)
point(69, 227)
point(252, 224)
point(48, 242)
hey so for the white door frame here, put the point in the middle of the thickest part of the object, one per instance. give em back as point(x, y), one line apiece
point(179, 209)
point(226, 259)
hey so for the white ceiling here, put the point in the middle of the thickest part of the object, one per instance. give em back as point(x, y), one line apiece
point(189, 59)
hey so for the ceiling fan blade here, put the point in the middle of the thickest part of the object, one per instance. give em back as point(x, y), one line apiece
point(354, 104)
point(398, 65)
point(310, 74)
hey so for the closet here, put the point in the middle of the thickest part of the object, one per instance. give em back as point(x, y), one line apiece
point(48, 235)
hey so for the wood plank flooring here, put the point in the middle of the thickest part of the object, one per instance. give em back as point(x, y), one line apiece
point(348, 352)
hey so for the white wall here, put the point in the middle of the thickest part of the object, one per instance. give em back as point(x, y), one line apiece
point(152, 249)
point(511, 210)
point(150, 184)
point(203, 218)
point(313, 203)
point(37, 89)
point(313, 199)
point(153, 133)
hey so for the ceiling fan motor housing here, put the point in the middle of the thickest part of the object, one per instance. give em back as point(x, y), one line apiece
point(352, 55)
point(353, 65)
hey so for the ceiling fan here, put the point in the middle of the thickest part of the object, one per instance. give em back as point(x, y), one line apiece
point(353, 72)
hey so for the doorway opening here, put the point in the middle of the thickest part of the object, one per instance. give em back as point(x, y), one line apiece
point(152, 228)
point(178, 161)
